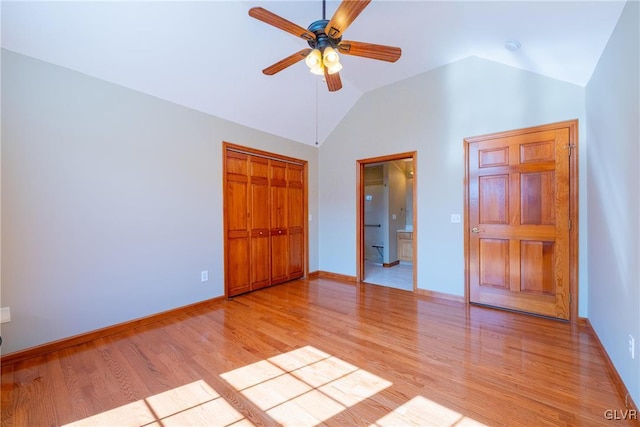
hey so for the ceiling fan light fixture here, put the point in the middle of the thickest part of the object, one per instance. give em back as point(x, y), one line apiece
point(319, 71)
point(314, 59)
point(330, 56)
point(334, 68)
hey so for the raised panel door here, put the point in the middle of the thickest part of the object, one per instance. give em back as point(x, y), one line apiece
point(518, 189)
point(260, 264)
point(279, 221)
point(296, 217)
point(237, 244)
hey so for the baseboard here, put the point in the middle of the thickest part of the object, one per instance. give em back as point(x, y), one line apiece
point(613, 372)
point(439, 295)
point(391, 264)
point(21, 355)
point(332, 276)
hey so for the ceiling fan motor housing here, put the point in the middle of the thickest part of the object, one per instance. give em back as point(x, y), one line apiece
point(322, 39)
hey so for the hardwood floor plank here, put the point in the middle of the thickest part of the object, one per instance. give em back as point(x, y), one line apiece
point(326, 352)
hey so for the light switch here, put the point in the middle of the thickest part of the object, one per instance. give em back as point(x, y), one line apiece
point(455, 218)
point(393, 216)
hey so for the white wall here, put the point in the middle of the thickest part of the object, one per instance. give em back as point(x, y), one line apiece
point(613, 119)
point(432, 113)
point(112, 202)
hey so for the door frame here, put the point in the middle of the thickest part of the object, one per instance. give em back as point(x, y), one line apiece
point(360, 193)
point(572, 126)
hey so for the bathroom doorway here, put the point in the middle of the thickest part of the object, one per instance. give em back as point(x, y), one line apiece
point(387, 238)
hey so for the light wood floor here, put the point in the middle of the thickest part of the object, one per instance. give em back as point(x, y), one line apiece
point(320, 351)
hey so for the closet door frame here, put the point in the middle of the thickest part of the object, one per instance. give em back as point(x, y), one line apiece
point(227, 146)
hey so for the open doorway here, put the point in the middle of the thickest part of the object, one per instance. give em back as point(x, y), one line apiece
point(387, 231)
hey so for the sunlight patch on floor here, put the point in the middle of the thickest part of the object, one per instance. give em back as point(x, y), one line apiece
point(304, 386)
point(132, 414)
point(421, 411)
point(192, 404)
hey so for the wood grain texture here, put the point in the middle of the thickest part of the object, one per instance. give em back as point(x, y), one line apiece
point(334, 82)
point(265, 208)
point(344, 16)
point(526, 154)
point(286, 62)
point(277, 21)
point(370, 50)
point(518, 193)
point(30, 353)
point(323, 352)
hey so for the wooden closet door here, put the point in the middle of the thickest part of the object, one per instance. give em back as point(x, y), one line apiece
point(279, 222)
point(260, 264)
point(295, 182)
point(237, 226)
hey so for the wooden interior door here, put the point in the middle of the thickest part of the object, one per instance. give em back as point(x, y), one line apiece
point(260, 264)
point(519, 219)
point(237, 245)
point(295, 197)
point(279, 222)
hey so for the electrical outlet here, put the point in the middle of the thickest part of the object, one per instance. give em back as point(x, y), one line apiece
point(455, 218)
point(5, 314)
point(204, 275)
point(632, 346)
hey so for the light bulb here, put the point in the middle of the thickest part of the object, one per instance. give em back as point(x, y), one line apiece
point(314, 59)
point(330, 56)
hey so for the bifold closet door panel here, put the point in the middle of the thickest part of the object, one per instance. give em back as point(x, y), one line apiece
point(279, 222)
point(260, 264)
point(238, 233)
point(295, 184)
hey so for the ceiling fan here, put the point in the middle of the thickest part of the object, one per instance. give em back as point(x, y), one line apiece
point(325, 41)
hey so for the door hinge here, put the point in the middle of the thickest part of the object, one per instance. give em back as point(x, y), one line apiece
point(569, 297)
point(570, 224)
point(570, 147)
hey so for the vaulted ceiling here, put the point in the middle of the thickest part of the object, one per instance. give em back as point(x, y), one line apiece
point(208, 55)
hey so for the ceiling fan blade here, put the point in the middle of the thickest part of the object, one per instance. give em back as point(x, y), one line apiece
point(370, 50)
point(346, 13)
point(334, 82)
point(279, 22)
point(286, 62)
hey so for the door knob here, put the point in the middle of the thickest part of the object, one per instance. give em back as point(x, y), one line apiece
point(476, 230)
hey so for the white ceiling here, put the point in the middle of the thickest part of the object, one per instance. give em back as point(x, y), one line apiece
point(208, 55)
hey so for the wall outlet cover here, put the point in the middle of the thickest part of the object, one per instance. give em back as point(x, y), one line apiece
point(5, 314)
